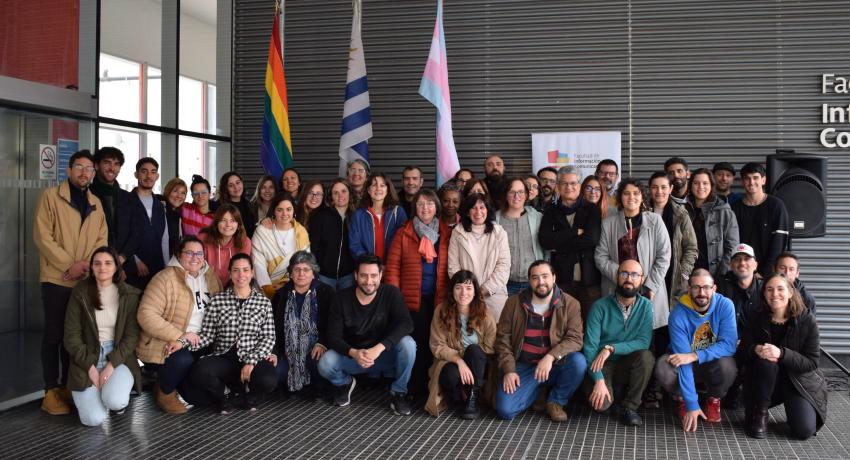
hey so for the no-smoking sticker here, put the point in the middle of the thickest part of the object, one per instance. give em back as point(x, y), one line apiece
point(47, 162)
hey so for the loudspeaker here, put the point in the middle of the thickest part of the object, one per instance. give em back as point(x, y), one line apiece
point(799, 180)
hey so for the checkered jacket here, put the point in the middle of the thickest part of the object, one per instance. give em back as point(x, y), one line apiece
point(250, 328)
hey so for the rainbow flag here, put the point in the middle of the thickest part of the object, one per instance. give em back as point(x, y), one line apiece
point(435, 88)
point(276, 149)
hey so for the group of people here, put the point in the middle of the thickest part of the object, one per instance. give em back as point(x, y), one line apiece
point(511, 292)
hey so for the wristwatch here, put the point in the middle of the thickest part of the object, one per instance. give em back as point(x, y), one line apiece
point(610, 348)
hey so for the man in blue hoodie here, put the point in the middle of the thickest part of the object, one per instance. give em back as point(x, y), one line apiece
point(703, 337)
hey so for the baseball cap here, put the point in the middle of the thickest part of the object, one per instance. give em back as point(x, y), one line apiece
point(723, 166)
point(744, 249)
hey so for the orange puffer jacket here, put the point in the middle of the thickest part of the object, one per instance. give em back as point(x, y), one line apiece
point(404, 265)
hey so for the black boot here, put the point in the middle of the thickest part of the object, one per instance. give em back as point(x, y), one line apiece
point(470, 409)
point(758, 423)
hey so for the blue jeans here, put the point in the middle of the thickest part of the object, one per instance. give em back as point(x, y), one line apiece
point(564, 378)
point(338, 369)
point(174, 372)
point(93, 405)
point(343, 282)
point(515, 287)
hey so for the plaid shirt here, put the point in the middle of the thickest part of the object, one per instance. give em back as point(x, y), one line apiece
point(250, 328)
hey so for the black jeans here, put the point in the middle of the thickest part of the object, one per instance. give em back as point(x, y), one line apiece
point(418, 384)
point(450, 381)
point(55, 300)
point(717, 375)
point(769, 386)
point(586, 296)
point(172, 373)
point(211, 373)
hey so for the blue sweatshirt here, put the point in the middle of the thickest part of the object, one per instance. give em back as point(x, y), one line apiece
point(711, 335)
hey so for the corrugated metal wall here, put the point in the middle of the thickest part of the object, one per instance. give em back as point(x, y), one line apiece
point(709, 81)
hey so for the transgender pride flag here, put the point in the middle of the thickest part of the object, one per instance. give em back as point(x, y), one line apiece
point(435, 88)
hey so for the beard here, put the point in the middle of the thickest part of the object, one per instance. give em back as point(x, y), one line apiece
point(628, 293)
point(542, 291)
point(701, 301)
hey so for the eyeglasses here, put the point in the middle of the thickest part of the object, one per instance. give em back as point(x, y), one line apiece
point(80, 168)
point(698, 288)
point(568, 184)
point(516, 192)
point(190, 254)
point(592, 189)
point(533, 186)
point(315, 194)
point(547, 181)
point(426, 205)
point(356, 170)
point(205, 192)
point(302, 270)
point(632, 275)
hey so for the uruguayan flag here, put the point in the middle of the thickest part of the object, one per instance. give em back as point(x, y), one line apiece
point(356, 115)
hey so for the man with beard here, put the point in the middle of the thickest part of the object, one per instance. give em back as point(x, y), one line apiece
point(703, 337)
point(724, 176)
point(494, 178)
point(369, 331)
point(548, 177)
point(678, 172)
point(608, 172)
point(538, 343)
point(741, 284)
point(119, 207)
point(616, 344)
point(411, 182)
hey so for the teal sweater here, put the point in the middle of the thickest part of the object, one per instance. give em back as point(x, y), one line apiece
point(605, 326)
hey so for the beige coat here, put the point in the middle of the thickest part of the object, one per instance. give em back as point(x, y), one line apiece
point(61, 238)
point(165, 310)
point(446, 348)
point(494, 260)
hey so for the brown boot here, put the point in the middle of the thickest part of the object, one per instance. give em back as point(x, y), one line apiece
point(169, 403)
point(53, 403)
point(540, 403)
point(556, 412)
point(65, 394)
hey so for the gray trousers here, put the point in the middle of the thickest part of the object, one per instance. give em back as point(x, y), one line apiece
point(717, 375)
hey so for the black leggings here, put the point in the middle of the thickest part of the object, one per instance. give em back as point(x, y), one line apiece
point(450, 375)
point(769, 387)
point(418, 384)
point(210, 374)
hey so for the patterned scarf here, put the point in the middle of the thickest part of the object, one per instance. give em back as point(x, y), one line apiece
point(301, 334)
point(428, 235)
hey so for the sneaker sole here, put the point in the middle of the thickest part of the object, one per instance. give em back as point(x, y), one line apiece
point(350, 390)
point(398, 412)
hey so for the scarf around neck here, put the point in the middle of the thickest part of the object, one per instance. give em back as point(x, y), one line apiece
point(302, 333)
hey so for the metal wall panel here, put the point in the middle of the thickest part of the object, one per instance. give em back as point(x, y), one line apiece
point(709, 81)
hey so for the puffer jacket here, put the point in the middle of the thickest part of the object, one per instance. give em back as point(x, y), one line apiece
point(404, 265)
point(166, 308)
point(800, 355)
point(721, 235)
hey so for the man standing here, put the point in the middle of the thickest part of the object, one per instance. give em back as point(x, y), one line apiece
point(678, 172)
point(616, 343)
point(724, 176)
point(571, 229)
point(789, 265)
point(412, 181)
point(368, 331)
point(703, 336)
point(548, 177)
point(741, 284)
point(494, 178)
point(538, 342)
point(762, 218)
point(118, 204)
point(608, 172)
point(152, 251)
point(69, 226)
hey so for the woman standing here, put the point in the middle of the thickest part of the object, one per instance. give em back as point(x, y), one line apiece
point(310, 200)
point(450, 197)
point(591, 192)
point(480, 245)
point(416, 264)
point(329, 238)
point(272, 247)
point(196, 216)
point(290, 182)
point(239, 328)
point(683, 240)
point(174, 195)
point(521, 223)
point(171, 313)
point(782, 346)
point(532, 183)
point(635, 234)
point(714, 223)
point(101, 333)
point(300, 313)
point(462, 338)
point(231, 190)
point(374, 225)
point(224, 238)
point(262, 199)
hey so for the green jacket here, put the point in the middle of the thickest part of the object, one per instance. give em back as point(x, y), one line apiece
point(605, 326)
point(81, 338)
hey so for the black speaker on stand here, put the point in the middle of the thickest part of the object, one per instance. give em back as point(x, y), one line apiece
point(799, 180)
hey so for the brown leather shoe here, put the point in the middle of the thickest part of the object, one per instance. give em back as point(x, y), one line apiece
point(53, 403)
point(169, 403)
point(556, 412)
point(540, 403)
point(65, 394)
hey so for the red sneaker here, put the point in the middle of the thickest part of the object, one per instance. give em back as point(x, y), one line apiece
point(712, 410)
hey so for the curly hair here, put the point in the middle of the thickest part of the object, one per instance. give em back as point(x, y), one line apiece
point(635, 183)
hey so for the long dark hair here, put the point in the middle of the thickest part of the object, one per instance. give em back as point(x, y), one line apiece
point(392, 197)
point(212, 229)
point(240, 256)
point(91, 287)
point(449, 318)
point(467, 204)
point(303, 213)
point(795, 302)
point(712, 195)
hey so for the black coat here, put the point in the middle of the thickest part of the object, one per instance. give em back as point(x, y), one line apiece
point(569, 248)
point(329, 243)
point(800, 355)
point(747, 301)
point(324, 298)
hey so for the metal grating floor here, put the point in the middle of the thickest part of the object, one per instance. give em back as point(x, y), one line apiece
point(298, 428)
